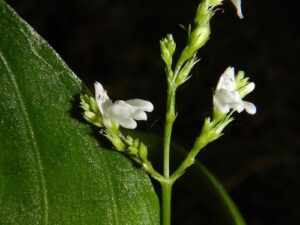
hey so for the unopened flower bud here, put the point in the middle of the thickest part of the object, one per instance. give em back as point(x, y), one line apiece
point(143, 152)
point(167, 48)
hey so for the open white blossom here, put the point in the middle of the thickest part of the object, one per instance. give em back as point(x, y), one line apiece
point(237, 4)
point(227, 96)
point(124, 113)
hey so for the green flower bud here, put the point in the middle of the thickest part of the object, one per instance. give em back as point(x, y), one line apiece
point(243, 86)
point(212, 129)
point(93, 118)
point(129, 140)
point(171, 44)
point(167, 48)
point(215, 2)
point(136, 143)
point(93, 105)
point(91, 112)
point(115, 139)
point(197, 39)
point(203, 13)
point(133, 150)
point(183, 75)
point(143, 152)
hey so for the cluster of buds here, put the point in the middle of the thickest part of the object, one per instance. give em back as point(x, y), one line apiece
point(198, 34)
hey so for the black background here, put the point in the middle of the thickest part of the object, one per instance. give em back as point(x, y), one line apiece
point(116, 43)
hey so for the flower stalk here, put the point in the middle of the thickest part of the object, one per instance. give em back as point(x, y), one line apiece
point(228, 97)
point(166, 202)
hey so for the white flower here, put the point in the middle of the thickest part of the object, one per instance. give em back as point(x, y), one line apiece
point(227, 96)
point(124, 113)
point(237, 4)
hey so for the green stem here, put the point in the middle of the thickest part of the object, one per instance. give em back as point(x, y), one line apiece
point(166, 202)
point(166, 184)
point(200, 143)
point(170, 118)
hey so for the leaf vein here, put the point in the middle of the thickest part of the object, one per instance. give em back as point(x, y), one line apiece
point(33, 140)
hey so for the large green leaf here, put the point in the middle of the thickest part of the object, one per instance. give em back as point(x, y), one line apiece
point(52, 169)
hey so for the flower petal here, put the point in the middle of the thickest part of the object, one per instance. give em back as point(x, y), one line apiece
point(128, 122)
point(102, 99)
point(120, 109)
point(141, 104)
point(237, 106)
point(223, 108)
point(122, 113)
point(237, 4)
point(227, 81)
point(245, 90)
point(227, 97)
point(249, 107)
point(139, 115)
point(250, 87)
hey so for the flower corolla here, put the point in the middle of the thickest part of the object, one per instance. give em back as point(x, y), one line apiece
point(227, 96)
point(124, 113)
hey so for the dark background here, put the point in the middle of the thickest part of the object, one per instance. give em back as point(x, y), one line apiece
point(116, 43)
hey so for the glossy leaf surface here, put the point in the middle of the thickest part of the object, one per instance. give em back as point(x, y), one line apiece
point(52, 169)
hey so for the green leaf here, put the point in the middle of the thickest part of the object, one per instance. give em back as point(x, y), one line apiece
point(52, 169)
point(204, 186)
